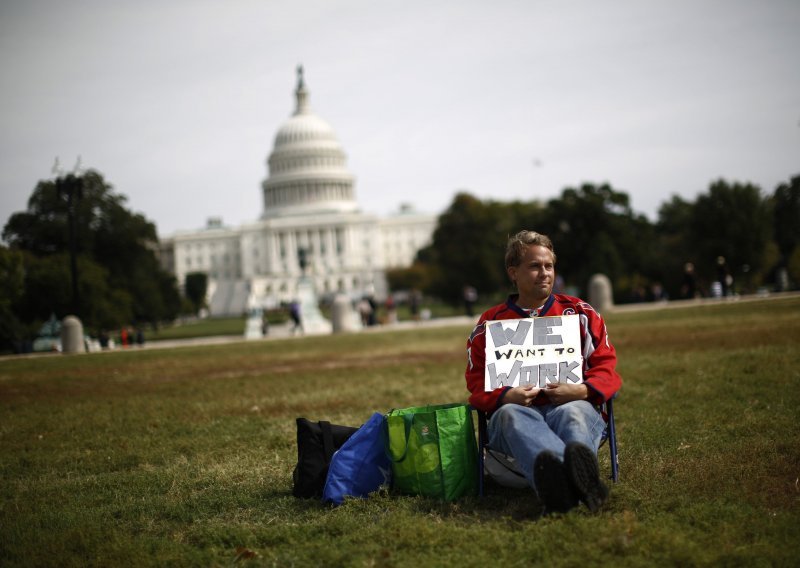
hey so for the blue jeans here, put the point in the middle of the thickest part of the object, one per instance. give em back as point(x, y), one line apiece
point(523, 432)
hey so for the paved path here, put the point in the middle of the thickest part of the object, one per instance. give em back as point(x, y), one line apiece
point(284, 332)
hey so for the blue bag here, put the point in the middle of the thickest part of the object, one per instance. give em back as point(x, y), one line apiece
point(360, 466)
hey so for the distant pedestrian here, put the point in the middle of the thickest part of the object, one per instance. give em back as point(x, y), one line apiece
point(365, 311)
point(689, 284)
point(657, 292)
point(373, 314)
point(724, 277)
point(413, 304)
point(470, 297)
point(391, 310)
point(294, 313)
point(264, 325)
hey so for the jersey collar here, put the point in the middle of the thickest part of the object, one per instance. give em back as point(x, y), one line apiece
point(511, 302)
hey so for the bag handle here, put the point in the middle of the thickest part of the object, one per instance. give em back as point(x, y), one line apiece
point(327, 439)
point(408, 422)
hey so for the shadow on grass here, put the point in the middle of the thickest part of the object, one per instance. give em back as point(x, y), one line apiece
point(498, 503)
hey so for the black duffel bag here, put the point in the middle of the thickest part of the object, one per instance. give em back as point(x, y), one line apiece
point(316, 442)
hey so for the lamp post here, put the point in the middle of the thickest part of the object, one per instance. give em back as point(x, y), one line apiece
point(71, 188)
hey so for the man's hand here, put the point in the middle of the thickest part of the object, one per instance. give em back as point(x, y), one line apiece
point(559, 393)
point(521, 395)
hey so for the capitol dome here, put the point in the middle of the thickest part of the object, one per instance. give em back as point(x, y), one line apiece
point(307, 169)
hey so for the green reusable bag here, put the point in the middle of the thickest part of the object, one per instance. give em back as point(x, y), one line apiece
point(433, 451)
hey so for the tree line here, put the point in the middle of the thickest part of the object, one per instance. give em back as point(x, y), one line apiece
point(733, 227)
point(118, 273)
point(593, 228)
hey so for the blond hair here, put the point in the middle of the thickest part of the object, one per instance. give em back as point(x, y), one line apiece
point(519, 243)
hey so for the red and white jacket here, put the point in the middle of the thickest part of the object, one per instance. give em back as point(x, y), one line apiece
point(599, 356)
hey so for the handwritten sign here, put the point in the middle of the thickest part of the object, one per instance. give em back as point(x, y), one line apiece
point(533, 352)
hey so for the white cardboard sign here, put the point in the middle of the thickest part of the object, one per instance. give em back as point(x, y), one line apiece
point(533, 351)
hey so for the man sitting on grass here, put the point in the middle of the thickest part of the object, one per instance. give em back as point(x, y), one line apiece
point(552, 433)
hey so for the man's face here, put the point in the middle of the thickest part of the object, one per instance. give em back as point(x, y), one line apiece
point(534, 276)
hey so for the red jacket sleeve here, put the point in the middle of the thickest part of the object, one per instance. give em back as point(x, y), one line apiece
point(600, 373)
point(476, 361)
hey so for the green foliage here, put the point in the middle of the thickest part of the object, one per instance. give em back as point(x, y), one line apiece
point(195, 288)
point(183, 457)
point(119, 277)
point(594, 230)
point(49, 276)
point(673, 246)
point(418, 276)
point(12, 290)
point(469, 245)
point(732, 221)
point(104, 226)
point(786, 220)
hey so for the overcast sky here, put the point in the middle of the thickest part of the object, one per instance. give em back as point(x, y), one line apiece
point(177, 102)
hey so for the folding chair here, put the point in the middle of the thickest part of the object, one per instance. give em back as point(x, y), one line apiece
point(609, 435)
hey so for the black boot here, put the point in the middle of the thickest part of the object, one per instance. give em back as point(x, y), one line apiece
point(584, 475)
point(552, 484)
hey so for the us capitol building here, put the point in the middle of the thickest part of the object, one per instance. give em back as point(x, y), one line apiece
point(310, 211)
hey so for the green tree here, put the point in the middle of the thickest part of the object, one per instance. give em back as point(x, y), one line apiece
point(594, 230)
point(732, 220)
point(195, 287)
point(786, 218)
point(415, 277)
point(469, 244)
point(113, 243)
point(48, 277)
point(12, 290)
point(672, 246)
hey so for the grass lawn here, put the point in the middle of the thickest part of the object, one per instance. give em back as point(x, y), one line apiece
point(184, 456)
point(236, 325)
point(200, 328)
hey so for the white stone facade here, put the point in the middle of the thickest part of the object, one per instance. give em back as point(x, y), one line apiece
point(309, 204)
